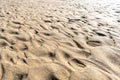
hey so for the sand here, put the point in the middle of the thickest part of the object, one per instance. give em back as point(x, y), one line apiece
point(59, 40)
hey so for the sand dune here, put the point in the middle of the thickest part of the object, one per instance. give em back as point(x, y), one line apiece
point(59, 40)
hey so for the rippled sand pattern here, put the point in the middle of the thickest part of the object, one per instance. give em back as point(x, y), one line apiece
point(59, 40)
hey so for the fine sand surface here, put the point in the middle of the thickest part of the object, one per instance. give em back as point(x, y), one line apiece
point(59, 40)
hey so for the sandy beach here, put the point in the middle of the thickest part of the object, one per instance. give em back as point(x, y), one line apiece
point(59, 40)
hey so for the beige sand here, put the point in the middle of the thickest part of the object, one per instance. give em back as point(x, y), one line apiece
point(59, 40)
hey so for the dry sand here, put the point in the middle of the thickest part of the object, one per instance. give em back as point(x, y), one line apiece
point(59, 40)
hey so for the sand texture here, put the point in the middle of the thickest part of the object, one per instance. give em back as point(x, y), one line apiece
point(59, 40)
